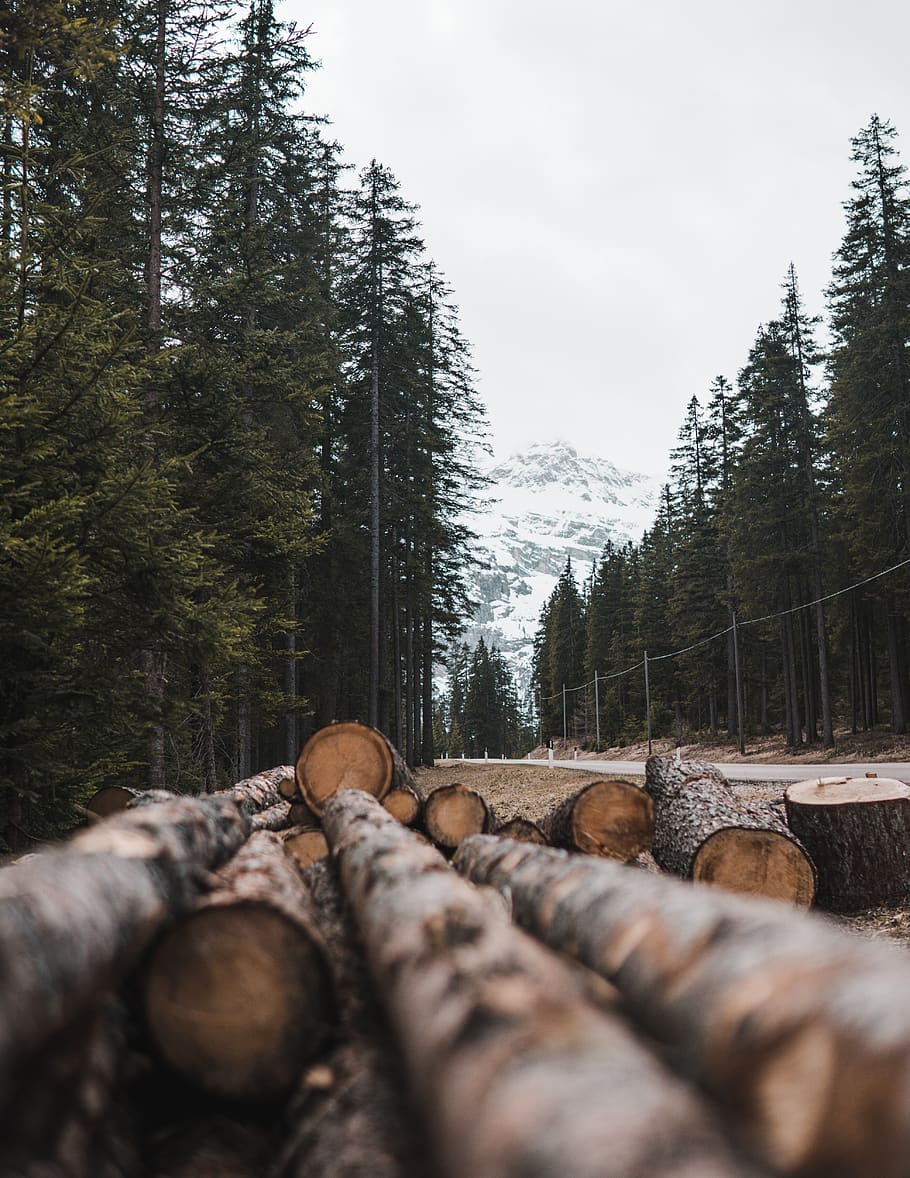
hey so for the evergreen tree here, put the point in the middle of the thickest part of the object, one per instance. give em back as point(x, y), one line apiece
point(869, 412)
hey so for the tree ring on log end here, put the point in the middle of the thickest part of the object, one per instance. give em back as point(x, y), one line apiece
point(613, 819)
point(307, 846)
point(227, 1002)
point(757, 863)
point(842, 791)
point(452, 813)
point(344, 756)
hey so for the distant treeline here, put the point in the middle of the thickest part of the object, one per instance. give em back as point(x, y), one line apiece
point(784, 489)
point(237, 421)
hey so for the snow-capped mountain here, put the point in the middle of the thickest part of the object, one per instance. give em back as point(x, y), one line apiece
point(545, 504)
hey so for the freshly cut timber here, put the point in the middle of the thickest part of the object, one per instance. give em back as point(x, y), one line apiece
point(794, 1026)
point(452, 812)
point(666, 774)
point(518, 1073)
point(349, 756)
point(73, 920)
point(111, 799)
point(403, 802)
point(611, 818)
point(288, 787)
point(306, 843)
point(522, 830)
point(274, 818)
point(260, 792)
point(857, 831)
point(702, 831)
point(350, 1116)
point(237, 994)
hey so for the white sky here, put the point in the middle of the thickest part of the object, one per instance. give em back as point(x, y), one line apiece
point(613, 190)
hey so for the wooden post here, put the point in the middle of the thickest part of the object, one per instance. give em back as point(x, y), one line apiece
point(648, 702)
point(739, 689)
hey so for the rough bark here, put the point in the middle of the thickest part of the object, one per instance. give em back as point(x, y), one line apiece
point(64, 1119)
point(858, 834)
point(237, 995)
point(518, 1074)
point(702, 831)
point(351, 1117)
point(611, 818)
point(521, 830)
point(260, 792)
point(214, 1146)
point(452, 812)
point(73, 920)
point(404, 803)
point(274, 818)
point(791, 1024)
point(349, 756)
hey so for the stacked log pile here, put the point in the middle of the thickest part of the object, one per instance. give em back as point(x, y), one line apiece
point(195, 987)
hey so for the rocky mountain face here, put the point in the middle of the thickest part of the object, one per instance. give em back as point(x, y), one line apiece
point(544, 505)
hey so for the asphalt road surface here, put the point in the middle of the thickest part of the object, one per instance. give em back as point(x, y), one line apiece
point(739, 771)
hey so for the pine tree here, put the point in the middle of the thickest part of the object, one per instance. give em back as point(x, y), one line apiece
point(869, 412)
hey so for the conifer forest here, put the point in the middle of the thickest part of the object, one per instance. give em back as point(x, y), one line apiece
point(785, 489)
point(239, 433)
point(237, 416)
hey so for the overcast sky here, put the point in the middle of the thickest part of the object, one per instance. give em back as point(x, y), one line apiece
point(613, 190)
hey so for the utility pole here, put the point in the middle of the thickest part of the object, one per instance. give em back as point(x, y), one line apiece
point(596, 715)
point(739, 689)
point(648, 702)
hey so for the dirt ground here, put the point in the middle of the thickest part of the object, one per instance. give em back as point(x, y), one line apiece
point(532, 791)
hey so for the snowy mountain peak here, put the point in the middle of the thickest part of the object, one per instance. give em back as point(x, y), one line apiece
point(546, 504)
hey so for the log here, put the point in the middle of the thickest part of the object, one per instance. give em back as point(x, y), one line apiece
point(65, 1118)
point(702, 831)
point(793, 1026)
point(351, 1117)
point(521, 830)
point(74, 919)
point(404, 803)
point(260, 792)
point(452, 812)
point(274, 818)
point(611, 818)
point(289, 789)
point(857, 831)
point(237, 995)
point(306, 843)
point(349, 755)
point(518, 1074)
point(111, 799)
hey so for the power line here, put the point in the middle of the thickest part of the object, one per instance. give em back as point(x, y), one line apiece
point(656, 658)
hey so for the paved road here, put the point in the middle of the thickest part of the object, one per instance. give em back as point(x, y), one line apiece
point(740, 771)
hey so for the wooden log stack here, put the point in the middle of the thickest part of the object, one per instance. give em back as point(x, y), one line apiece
point(193, 987)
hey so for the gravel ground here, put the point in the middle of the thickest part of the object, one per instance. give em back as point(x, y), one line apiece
point(515, 791)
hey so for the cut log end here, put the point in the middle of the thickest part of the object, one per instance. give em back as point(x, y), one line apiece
point(111, 799)
point(756, 863)
point(307, 846)
point(344, 756)
point(613, 819)
point(522, 830)
point(454, 812)
point(404, 804)
point(228, 1003)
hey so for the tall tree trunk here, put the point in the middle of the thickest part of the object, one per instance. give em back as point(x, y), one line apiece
point(291, 738)
point(375, 468)
point(897, 668)
point(244, 756)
